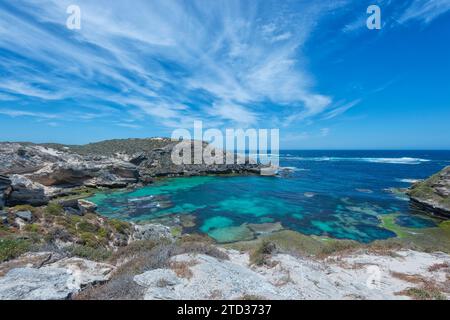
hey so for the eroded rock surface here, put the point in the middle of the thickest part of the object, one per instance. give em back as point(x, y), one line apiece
point(358, 276)
point(153, 232)
point(55, 281)
point(433, 194)
point(35, 173)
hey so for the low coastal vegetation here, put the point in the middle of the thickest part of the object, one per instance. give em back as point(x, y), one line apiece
point(424, 239)
point(111, 147)
point(88, 236)
point(141, 256)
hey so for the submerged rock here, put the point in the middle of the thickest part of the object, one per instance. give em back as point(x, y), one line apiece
point(232, 234)
point(265, 228)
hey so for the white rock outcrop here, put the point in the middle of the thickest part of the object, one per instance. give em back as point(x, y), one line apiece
point(56, 281)
point(359, 276)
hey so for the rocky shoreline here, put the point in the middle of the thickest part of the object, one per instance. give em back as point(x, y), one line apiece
point(33, 174)
point(433, 194)
point(54, 244)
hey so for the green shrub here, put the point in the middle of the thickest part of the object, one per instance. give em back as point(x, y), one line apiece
point(86, 252)
point(337, 246)
point(12, 248)
point(89, 240)
point(424, 294)
point(24, 207)
point(103, 233)
point(261, 254)
point(32, 228)
point(85, 226)
point(120, 226)
point(54, 209)
point(135, 248)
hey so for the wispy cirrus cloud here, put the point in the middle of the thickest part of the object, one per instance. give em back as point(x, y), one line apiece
point(425, 10)
point(21, 113)
point(168, 60)
point(171, 62)
point(340, 109)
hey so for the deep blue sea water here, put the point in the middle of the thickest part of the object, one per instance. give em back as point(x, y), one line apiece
point(340, 194)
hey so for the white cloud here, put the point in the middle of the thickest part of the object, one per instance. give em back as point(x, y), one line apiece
point(341, 109)
point(21, 113)
point(425, 10)
point(129, 125)
point(235, 113)
point(156, 56)
point(324, 132)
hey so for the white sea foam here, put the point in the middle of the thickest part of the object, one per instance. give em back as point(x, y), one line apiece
point(141, 199)
point(402, 160)
point(293, 169)
point(409, 180)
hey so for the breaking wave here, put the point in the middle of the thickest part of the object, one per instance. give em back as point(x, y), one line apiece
point(402, 160)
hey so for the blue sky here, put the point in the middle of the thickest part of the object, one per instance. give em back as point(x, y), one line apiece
point(310, 68)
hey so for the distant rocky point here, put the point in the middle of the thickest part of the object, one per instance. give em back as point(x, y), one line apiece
point(433, 194)
point(33, 173)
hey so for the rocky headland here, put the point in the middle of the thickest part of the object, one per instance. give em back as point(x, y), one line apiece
point(55, 245)
point(433, 194)
point(35, 173)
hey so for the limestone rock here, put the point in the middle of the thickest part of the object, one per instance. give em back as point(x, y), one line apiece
point(36, 284)
point(55, 281)
point(88, 206)
point(26, 216)
point(85, 272)
point(77, 206)
point(152, 232)
point(25, 191)
point(211, 277)
point(289, 277)
point(5, 183)
point(433, 194)
point(158, 278)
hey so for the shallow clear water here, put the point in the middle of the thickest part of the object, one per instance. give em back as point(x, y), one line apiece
point(340, 194)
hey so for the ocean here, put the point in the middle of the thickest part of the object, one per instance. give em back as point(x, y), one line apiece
point(338, 194)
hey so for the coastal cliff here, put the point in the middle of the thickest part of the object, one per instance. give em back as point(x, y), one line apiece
point(34, 173)
point(433, 194)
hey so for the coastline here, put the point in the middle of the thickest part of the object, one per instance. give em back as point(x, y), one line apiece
point(66, 240)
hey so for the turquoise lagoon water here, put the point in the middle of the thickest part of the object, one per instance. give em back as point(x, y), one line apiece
point(339, 194)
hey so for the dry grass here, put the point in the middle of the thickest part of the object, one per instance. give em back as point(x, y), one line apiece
point(285, 279)
point(183, 268)
point(426, 292)
point(411, 278)
point(262, 253)
point(438, 266)
point(427, 289)
point(142, 256)
point(120, 288)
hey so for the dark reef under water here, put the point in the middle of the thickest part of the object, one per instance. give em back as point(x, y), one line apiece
point(338, 194)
